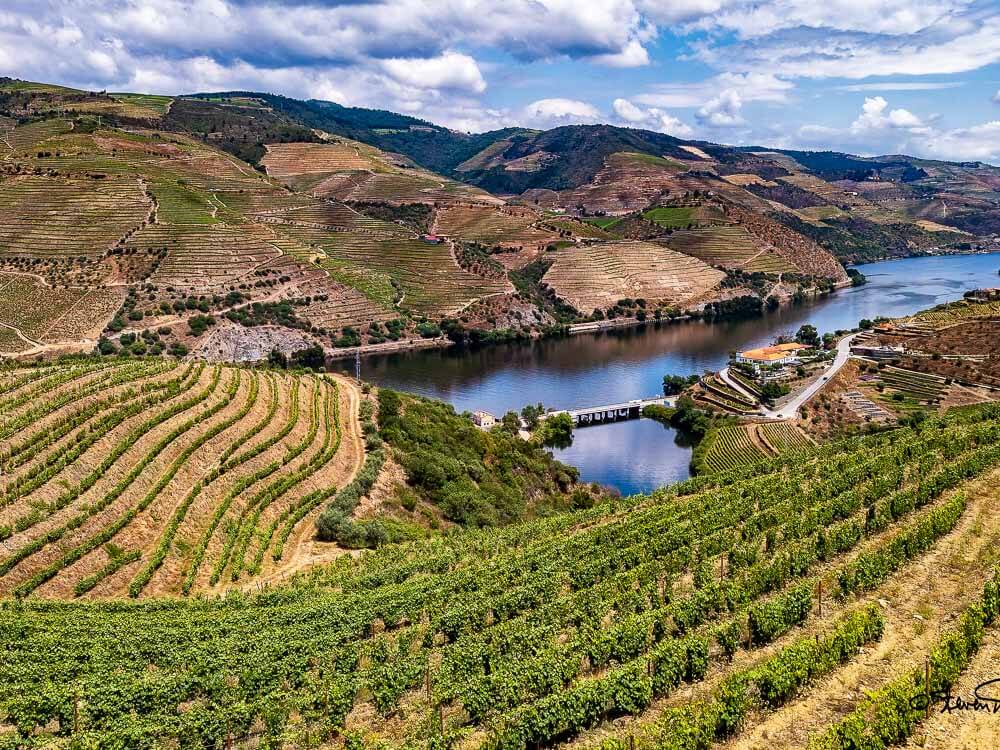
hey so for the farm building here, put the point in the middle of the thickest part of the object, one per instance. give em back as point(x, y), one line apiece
point(483, 420)
point(770, 356)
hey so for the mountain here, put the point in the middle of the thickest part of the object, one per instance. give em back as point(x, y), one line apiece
point(224, 225)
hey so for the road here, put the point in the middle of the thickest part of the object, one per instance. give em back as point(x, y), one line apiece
point(789, 410)
point(733, 383)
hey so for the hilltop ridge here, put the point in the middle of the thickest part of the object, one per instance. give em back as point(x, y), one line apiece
point(224, 225)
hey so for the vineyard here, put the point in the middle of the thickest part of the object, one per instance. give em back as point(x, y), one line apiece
point(492, 226)
point(145, 477)
point(600, 275)
point(708, 611)
point(42, 217)
point(427, 274)
point(729, 247)
point(45, 314)
point(735, 446)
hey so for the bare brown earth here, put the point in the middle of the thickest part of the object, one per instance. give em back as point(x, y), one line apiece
point(304, 550)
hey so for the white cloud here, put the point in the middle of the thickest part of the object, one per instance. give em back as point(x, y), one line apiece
point(554, 112)
point(956, 47)
point(722, 111)
point(628, 111)
point(976, 143)
point(450, 70)
point(996, 97)
point(901, 86)
point(751, 87)
point(652, 119)
point(632, 56)
point(876, 115)
point(753, 18)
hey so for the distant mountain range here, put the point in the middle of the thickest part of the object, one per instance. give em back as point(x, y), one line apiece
point(385, 226)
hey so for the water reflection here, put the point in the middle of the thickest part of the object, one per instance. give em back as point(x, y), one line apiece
point(630, 363)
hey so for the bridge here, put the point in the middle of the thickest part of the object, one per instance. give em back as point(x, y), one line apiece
point(591, 415)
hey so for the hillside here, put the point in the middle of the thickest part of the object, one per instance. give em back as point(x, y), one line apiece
point(768, 601)
point(224, 226)
point(141, 477)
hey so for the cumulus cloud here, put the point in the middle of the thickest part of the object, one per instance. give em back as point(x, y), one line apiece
point(556, 111)
point(652, 119)
point(411, 55)
point(876, 115)
point(450, 70)
point(722, 111)
point(976, 143)
point(631, 56)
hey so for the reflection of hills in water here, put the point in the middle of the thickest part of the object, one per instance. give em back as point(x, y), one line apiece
point(630, 363)
point(640, 455)
point(635, 456)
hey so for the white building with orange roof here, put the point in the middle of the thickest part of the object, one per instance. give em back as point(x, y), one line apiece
point(778, 355)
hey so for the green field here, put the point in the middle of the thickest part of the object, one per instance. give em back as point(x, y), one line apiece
point(669, 217)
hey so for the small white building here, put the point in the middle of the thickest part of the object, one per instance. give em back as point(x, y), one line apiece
point(483, 420)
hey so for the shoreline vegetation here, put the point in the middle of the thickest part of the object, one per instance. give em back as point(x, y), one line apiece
point(445, 341)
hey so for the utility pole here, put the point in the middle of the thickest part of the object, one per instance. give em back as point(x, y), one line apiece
point(357, 366)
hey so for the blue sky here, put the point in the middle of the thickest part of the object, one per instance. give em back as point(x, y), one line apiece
point(867, 76)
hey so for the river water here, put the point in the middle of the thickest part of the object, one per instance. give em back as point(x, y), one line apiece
point(615, 366)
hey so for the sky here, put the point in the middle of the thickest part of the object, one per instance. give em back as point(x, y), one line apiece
point(920, 77)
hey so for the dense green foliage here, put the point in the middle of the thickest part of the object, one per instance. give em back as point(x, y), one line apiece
point(527, 634)
point(475, 478)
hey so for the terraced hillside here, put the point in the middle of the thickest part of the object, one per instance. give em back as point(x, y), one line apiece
point(240, 206)
point(600, 275)
point(148, 478)
point(735, 446)
point(761, 602)
point(348, 170)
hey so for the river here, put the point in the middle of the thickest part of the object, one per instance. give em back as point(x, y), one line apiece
point(615, 366)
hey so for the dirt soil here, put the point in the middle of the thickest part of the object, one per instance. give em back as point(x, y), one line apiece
point(304, 550)
point(920, 603)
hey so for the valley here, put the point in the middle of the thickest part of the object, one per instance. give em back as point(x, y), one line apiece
point(183, 226)
point(288, 455)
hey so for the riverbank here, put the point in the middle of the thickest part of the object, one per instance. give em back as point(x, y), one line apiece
point(625, 362)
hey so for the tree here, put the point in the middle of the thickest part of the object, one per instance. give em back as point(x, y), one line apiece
point(510, 422)
point(277, 359)
point(312, 357)
point(674, 384)
point(808, 335)
point(556, 431)
point(864, 324)
point(771, 391)
point(530, 415)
